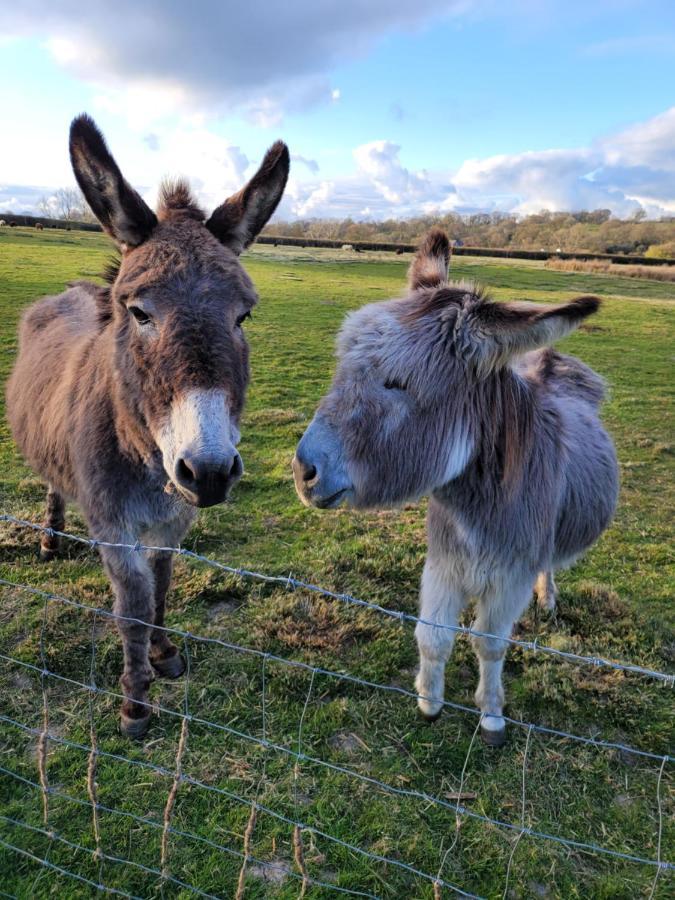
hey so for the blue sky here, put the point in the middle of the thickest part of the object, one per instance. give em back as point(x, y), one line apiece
point(389, 108)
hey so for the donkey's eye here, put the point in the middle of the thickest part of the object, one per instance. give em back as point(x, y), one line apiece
point(242, 318)
point(140, 315)
point(392, 384)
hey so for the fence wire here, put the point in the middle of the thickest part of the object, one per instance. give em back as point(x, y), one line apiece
point(178, 776)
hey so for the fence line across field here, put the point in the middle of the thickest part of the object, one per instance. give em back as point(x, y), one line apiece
point(319, 670)
point(290, 582)
point(178, 775)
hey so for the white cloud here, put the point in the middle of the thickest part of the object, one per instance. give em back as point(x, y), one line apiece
point(379, 162)
point(631, 169)
point(311, 164)
point(211, 54)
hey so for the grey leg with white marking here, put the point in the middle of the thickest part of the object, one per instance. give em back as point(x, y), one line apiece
point(440, 602)
point(497, 614)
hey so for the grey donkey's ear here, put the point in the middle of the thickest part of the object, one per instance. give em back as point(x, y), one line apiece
point(121, 211)
point(510, 329)
point(238, 221)
point(429, 268)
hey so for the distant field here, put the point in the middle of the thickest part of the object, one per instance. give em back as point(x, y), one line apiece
point(616, 602)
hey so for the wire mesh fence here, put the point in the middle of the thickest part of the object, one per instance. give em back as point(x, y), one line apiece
point(240, 797)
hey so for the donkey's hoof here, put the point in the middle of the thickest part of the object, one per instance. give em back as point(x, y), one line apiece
point(430, 709)
point(493, 731)
point(133, 727)
point(171, 665)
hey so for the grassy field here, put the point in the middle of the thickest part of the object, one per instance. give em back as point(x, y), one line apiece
point(617, 602)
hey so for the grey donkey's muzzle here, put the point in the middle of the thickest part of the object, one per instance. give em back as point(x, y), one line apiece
point(318, 469)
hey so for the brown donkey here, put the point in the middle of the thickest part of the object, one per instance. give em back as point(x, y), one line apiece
point(127, 398)
point(443, 392)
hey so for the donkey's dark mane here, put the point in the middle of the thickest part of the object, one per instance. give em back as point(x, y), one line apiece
point(176, 197)
point(112, 269)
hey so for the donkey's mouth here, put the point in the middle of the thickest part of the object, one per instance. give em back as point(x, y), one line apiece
point(330, 502)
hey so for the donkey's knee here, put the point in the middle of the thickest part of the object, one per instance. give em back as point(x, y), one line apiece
point(55, 520)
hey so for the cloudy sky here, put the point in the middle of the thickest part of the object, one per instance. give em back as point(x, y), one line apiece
point(390, 107)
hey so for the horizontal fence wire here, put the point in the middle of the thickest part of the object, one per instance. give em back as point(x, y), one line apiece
point(179, 776)
point(293, 583)
point(153, 823)
point(318, 670)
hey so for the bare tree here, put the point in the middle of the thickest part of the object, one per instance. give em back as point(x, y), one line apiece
point(70, 204)
point(45, 207)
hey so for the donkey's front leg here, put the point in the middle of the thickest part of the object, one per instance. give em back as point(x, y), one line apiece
point(497, 614)
point(164, 655)
point(134, 585)
point(440, 602)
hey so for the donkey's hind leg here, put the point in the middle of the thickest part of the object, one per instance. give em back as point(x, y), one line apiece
point(55, 519)
point(546, 592)
point(164, 655)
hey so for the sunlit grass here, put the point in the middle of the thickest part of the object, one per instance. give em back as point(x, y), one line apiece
point(616, 602)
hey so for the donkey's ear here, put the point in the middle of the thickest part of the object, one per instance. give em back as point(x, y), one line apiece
point(121, 211)
point(509, 329)
point(429, 268)
point(238, 221)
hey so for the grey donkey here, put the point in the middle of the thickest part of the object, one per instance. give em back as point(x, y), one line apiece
point(446, 393)
point(126, 398)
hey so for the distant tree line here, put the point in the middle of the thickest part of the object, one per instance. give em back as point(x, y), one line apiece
point(591, 232)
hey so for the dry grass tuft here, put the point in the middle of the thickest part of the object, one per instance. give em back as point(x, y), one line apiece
point(653, 273)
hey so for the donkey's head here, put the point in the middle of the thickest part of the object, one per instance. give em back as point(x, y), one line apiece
point(423, 384)
point(177, 305)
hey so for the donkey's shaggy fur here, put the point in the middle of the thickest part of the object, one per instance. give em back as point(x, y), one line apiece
point(443, 392)
point(126, 398)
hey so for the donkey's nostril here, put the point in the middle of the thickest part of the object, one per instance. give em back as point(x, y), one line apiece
point(303, 469)
point(308, 472)
point(185, 473)
point(237, 468)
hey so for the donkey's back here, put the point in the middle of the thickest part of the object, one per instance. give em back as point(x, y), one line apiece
point(563, 376)
point(55, 339)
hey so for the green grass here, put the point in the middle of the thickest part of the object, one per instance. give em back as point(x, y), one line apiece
point(616, 602)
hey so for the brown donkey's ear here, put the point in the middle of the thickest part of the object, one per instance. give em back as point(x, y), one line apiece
point(429, 268)
point(238, 221)
point(514, 328)
point(121, 211)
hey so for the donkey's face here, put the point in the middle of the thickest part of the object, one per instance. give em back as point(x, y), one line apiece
point(416, 387)
point(179, 301)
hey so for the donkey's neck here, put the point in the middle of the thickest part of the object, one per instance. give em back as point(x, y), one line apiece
point(134, 438)
point(505, 413)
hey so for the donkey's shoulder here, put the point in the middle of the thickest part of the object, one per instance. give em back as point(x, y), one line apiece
point(562, 374)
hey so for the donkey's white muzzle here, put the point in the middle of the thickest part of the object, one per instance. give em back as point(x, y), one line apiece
point(198, 447)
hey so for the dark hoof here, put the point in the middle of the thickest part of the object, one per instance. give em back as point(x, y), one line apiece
point(132, 727)
point(47, 555)
point(171, 666)
point(493, 737)
point(431, 718)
